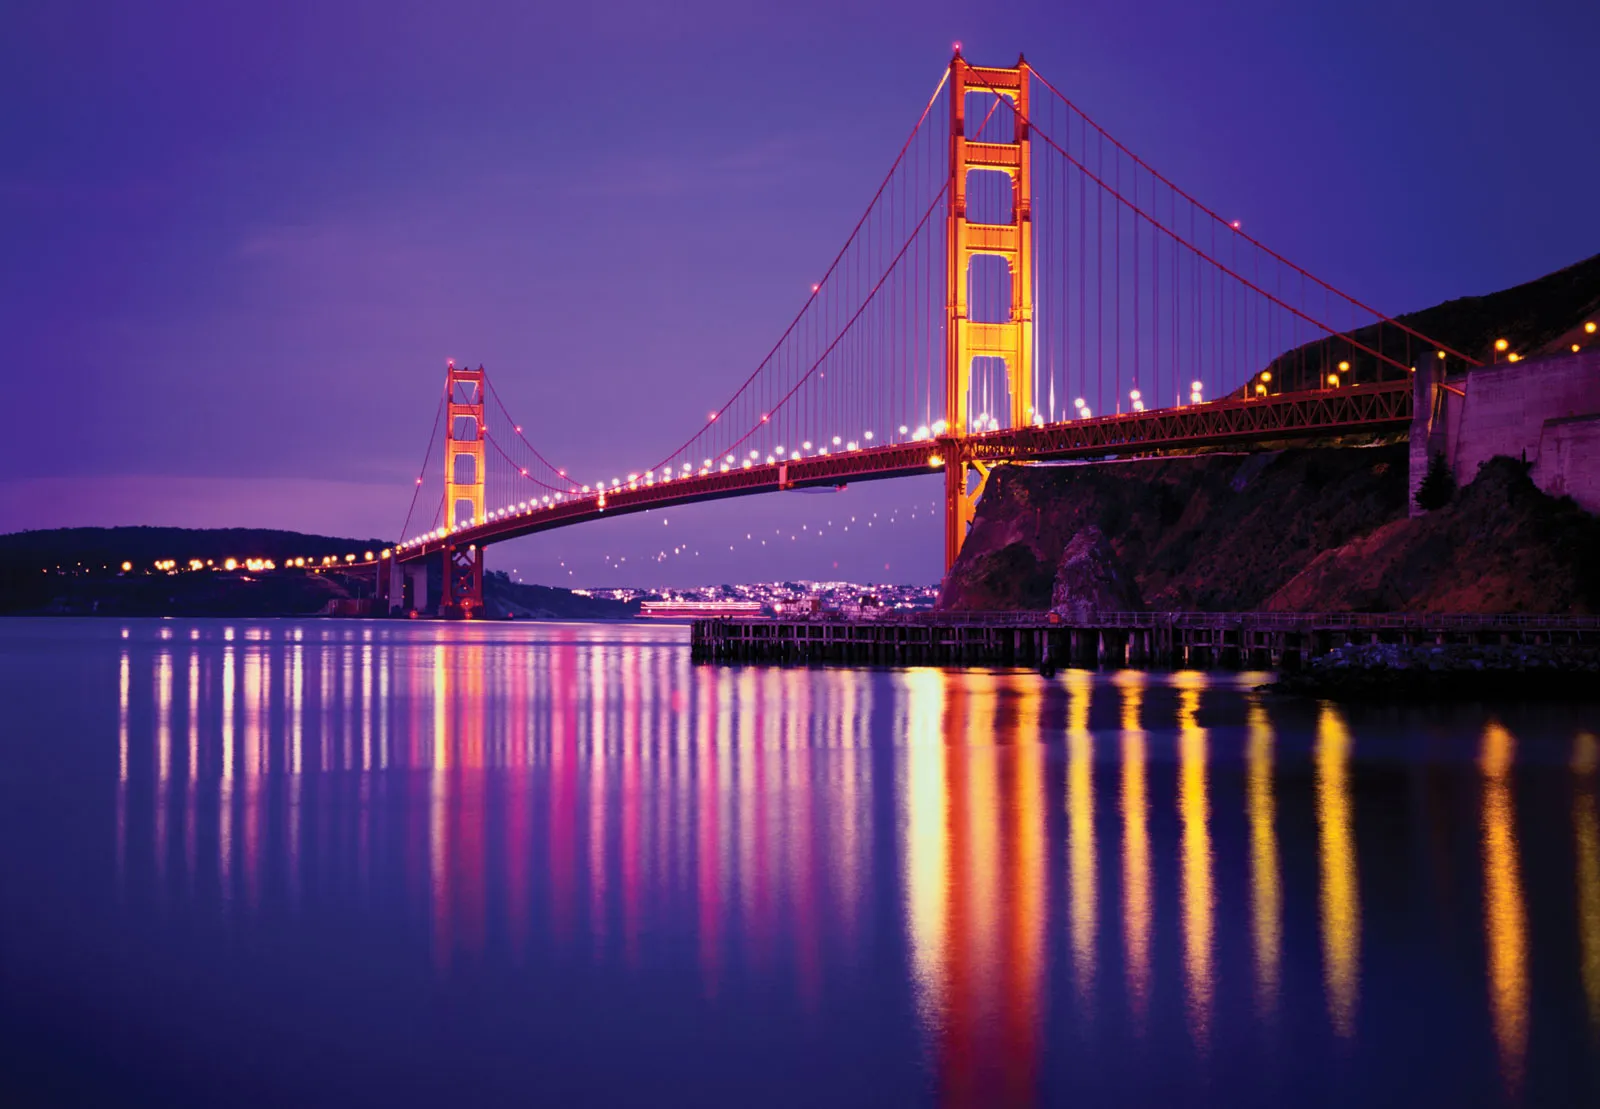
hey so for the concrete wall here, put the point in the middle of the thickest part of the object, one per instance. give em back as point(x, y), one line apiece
point(1547, 409)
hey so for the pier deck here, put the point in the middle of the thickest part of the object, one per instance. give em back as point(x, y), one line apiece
point(1047, 641)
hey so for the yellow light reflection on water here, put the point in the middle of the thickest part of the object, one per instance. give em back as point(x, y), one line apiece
point(1083, 908)
point(1194, 811)
point(1505, 914)
point(1136, 884)
point(924, 816)
point(1027, 901)
point(163, 755)
point(225, 803)
point(1586, 836)
point(1340, 889)
point(1266, 893)
point(123, 682)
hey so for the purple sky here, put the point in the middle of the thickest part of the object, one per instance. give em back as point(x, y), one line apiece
point(237, 248)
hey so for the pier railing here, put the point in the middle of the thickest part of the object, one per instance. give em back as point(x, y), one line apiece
point(1265, 621)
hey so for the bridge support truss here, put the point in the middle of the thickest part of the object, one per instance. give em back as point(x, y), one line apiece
point(966, 339)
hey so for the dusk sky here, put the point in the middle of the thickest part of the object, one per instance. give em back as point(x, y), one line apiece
point(238, 247)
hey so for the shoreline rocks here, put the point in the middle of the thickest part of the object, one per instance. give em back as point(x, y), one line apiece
point(1391, 672)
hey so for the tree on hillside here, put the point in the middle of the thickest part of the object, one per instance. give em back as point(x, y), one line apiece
point(1438, 484)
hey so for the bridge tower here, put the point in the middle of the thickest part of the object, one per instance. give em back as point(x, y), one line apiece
point(463, 498)
point(967, 339)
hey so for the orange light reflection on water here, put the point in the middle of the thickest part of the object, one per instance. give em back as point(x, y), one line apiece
point(1505, 915)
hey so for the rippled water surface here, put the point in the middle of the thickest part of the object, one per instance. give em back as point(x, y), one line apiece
point(393, 863)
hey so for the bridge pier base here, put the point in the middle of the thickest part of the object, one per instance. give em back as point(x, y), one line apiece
point(417, 585)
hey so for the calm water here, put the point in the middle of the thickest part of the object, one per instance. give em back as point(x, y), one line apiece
point(384, 863)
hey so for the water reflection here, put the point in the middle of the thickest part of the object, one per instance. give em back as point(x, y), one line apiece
point(1009, 879)
point(1194, 810)
point(1136, 884)
point(1266, 905)
point(1081, 868)
point(1505, 917)
point(1586, 834)
point(1341, 895)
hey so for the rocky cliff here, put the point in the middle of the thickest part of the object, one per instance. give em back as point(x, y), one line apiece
point(1297, 530)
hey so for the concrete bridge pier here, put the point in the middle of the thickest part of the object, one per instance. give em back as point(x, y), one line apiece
point(417, 586)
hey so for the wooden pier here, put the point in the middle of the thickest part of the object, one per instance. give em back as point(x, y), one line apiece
point(1049, 641)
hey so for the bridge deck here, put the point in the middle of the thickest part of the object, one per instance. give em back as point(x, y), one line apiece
point(1286, 416)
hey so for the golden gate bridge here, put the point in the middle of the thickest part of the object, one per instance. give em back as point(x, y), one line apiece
point(1021, 287)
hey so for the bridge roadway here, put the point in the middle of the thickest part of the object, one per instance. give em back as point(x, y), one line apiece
point(1381, 407)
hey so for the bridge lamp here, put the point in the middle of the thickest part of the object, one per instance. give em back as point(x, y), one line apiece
point(1133, 394)
point(707, 463)
point(1439, 354)
point(1344, 367)
point(902, 429)
point(1576, 348)
point(1513, 357)
point(1261, 389)
point(1333, 379)
point(867, 435)
point(806, 445)
point(747, 464)
point(836, 440)
point(770, 460)
point(1500, 345)
point(1589, 327)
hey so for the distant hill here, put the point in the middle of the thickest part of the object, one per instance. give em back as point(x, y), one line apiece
point(108, 548)
point(78, 571)
point(1537, 317)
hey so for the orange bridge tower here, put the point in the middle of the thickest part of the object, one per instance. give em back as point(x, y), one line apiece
point(966, 339)
point(463, 491)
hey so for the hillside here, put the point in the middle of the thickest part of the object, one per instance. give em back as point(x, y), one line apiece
point(1307, 529)
point(77, 571)
point(1532, 317)
point(107, 548)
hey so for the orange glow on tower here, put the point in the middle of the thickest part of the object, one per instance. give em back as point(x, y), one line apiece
point(966, 339)
point(463, 566)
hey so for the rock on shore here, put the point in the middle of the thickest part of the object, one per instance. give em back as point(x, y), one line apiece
point(1391, 672)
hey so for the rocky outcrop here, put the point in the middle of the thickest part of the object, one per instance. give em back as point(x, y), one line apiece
point(1389, 672)
point(1090, 579)
point(1305, 530)
point(1501, 545)
point(1219, 532)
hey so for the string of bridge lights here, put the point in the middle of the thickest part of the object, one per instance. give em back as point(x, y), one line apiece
point(755, 542)
point(836, 445)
